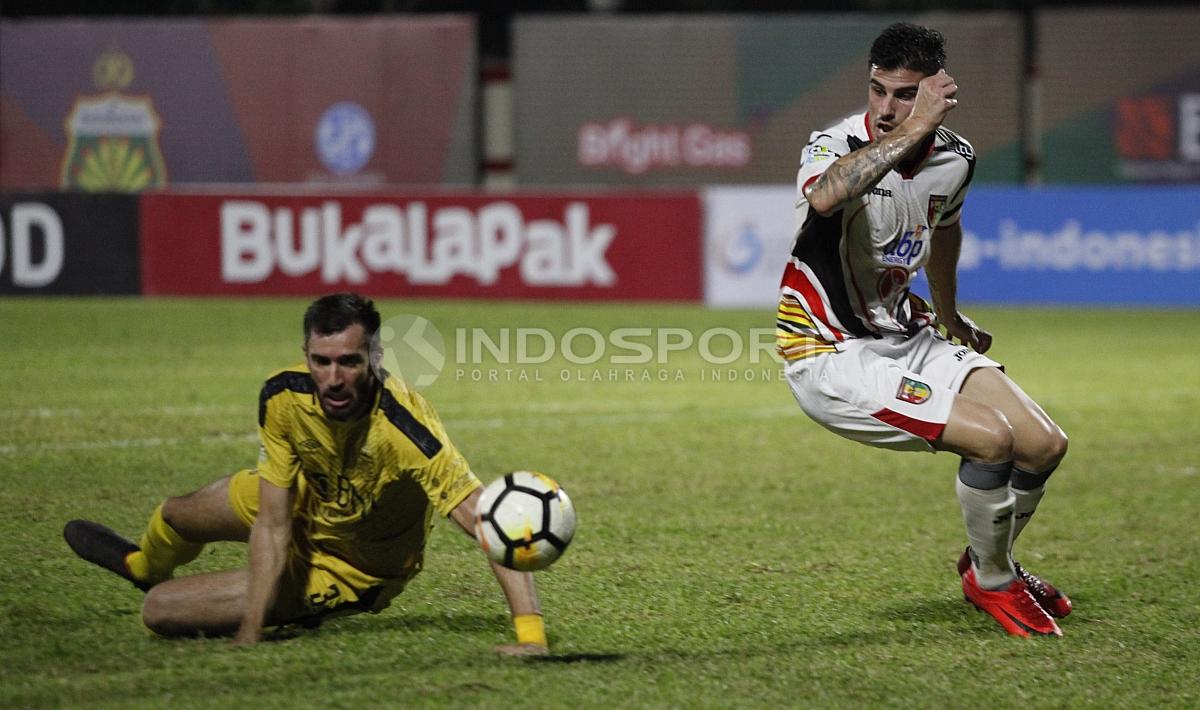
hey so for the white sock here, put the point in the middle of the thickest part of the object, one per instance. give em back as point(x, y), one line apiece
point(987, 508)
point(1028, 489)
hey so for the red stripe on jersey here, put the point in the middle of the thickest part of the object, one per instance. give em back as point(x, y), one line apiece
point(929, 431)
point(808, 182)
point(796, 279)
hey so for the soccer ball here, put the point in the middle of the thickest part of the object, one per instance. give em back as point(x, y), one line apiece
point(524, 521)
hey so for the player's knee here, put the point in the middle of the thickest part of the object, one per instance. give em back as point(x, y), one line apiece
point(170, 511)
point(174, 512)
point(994, 441)
point(156, 614)
point(159, 615)
point(1049, 449)
point(186, 516)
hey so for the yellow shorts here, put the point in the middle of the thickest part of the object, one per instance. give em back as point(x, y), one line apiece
point(315, 585)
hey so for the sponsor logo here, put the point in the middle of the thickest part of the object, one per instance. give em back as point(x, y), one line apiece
point(345, 138)
point(112, 138)
point(623, 144)
point(814, 153)
point(906, 248)
point(912, 391)
point(1157, 137)
point(937, 205)
point(891, 280)
point(427, 248)
point(35, 262)
point(741, 252)
point(1071, 246)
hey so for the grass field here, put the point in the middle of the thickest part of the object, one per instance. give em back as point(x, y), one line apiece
point(730, 552)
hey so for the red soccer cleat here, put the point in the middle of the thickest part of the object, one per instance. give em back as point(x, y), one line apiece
point(1045, 594)
point(1014, 607)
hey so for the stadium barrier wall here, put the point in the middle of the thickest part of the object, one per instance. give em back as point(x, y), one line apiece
point(1136, 246)
point(563, 245)
point(1086, 246)
point(68, 243)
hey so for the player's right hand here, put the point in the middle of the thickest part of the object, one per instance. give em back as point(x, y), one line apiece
point(935, 98)
point(964, 330)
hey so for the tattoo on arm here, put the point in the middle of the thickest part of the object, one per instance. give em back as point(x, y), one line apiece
point(854, 174)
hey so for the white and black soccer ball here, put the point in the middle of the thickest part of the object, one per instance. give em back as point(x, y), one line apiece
point(524, 521)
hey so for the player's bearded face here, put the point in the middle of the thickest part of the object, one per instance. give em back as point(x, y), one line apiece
point(891, 94)
point(341, 370)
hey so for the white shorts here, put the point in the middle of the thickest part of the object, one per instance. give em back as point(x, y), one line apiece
point(894, 392)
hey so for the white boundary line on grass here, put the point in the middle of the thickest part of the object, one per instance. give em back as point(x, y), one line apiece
point(197, 410)
point(659, 415)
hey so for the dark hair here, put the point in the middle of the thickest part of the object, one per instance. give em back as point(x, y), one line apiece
point(908, 46)
point(338, 311)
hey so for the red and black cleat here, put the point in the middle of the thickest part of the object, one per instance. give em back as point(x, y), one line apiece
point(1053, 601)
point(1013, 606)
point(1045, 594)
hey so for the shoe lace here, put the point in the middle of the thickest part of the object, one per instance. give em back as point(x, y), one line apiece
point(1034, 582)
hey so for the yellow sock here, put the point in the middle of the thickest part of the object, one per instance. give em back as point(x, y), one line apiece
point(530, 629)
point(162, 551)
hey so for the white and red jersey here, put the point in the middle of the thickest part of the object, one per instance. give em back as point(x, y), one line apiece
point(849, 273)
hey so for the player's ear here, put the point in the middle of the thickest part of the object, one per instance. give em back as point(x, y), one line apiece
point(375, 351)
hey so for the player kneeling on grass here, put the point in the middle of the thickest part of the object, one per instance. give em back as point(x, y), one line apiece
point(337, 512)
point(881, 196)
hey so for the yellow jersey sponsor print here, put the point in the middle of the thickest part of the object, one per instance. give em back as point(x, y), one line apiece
point(367, 488)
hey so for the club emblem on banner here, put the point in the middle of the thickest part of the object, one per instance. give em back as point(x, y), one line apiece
point(112, 138)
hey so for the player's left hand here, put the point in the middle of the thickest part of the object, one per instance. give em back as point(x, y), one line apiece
point(964, 330)
point(522, 649)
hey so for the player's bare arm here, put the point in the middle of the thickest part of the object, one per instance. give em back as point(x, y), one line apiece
point(269, 539)
point(853, 175)
point(942, 272)
point(518, 587)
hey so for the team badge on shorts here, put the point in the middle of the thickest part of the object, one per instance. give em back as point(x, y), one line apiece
point(912, 391)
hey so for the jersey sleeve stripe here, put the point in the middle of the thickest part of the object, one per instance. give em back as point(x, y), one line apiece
point(291, 381)
point(409, 425)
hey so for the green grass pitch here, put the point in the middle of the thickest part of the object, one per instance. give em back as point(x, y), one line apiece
point(730, 553)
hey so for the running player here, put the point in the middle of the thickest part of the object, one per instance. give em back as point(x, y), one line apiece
point(336, 513)
point(881, 196)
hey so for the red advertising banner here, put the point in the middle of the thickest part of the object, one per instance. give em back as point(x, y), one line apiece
point(560, 246)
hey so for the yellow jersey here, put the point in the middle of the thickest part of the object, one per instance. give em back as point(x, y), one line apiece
point(366, 489)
